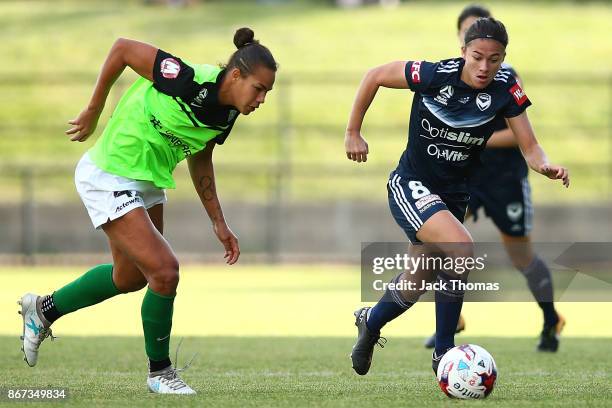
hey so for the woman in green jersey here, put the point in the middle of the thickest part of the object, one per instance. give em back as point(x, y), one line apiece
point(176, 110)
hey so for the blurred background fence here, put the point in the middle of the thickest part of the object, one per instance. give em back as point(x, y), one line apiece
point(301, 199)
point(283, 179)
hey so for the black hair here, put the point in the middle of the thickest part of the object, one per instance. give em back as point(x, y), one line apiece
point(250, 53)
point(487, 27)
point(473, 10)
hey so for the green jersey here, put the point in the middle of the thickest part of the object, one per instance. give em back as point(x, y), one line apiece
point(157, 124)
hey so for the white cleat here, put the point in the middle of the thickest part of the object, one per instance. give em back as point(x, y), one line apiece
point(35, 328)
point(167, 381)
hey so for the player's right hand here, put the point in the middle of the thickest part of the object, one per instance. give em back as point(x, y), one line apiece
point(356, 147)
point(84, 124)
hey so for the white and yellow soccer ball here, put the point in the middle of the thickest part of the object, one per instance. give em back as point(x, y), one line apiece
point(467, 372)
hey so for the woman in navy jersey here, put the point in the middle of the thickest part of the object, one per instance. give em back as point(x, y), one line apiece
point(506, 198)
point(452, 117)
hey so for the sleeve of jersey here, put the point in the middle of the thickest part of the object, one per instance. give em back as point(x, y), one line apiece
point(517, 102)
point(173, 77)
point(419, 75)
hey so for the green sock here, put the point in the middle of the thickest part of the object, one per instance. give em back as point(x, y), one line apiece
point(92, 287)
point(156, 315)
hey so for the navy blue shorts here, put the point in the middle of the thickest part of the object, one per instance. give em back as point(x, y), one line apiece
point(413, 202)
point(507, 201)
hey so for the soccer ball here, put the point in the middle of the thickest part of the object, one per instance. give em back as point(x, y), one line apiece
point(467, 372)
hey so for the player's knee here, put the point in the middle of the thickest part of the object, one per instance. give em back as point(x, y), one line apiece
point(165, 284)
point(164, 278)
point(464, 249)
point(461, 253)
point(521, 261)
point(519, 250)
point(519, 264)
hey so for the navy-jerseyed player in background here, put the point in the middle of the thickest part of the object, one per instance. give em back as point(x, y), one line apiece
point(452, 117)
point(500, 185)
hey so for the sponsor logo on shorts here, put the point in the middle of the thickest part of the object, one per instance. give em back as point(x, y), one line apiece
point(426, 200)
point(128, 203)
point(170, 68)
point(429, 205)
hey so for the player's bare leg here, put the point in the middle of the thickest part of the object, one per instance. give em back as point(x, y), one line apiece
point(135, 237)
point(454, 241)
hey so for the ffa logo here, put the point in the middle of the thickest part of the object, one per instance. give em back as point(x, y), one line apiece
point(514, 211)
point(464, 100)
point(445, 94)
point(483, 101)
point(199, 100)
point(447, 91)
point(170, 68)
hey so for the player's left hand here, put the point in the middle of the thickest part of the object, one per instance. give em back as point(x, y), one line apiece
point(555, 172)
point(229, 241)
point(84, 124)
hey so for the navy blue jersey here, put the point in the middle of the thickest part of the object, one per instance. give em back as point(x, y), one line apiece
point(508, 159)
point(450, 122)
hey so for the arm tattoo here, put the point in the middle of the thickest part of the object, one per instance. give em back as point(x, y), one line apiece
point(207, 188)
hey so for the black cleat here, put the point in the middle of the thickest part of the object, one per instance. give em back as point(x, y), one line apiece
point(435, 360)
point(549, 338)
point(366, 340)
point(430, 342)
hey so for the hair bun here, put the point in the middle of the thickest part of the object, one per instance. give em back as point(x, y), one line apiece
point(243, 36)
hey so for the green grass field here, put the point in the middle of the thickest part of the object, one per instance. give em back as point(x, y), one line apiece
point(281, 335)
point(323, 52)
point(308, 372)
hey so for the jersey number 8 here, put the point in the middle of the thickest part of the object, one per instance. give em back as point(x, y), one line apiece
point(418, 189)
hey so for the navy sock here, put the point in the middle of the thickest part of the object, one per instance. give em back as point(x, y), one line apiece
point(539, 281)
point(448, 309)
point(390, 306)
point(550, 314)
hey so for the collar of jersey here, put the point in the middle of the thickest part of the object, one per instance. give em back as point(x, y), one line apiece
point(213, 99)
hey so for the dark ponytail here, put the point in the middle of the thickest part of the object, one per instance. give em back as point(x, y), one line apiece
point(250, 53)
point(487, 28)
